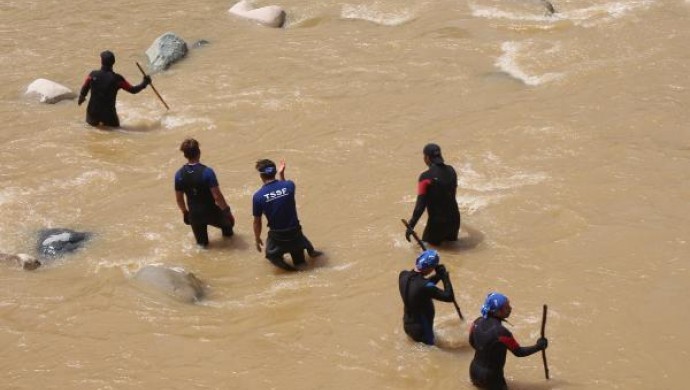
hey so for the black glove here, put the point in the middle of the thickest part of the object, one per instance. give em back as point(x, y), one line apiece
point(542, 343)
point(441, 271)
point(408, 233)
point(147, 80)
point(80, 100)
point(185, 218)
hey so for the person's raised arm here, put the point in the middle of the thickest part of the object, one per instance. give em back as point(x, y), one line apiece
point(281, 170)
point(445, 295)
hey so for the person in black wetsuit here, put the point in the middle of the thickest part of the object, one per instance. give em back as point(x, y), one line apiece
point(206, 202)
point(491, 341)
point(104, 84)
point(418, 292)
point(436, 190)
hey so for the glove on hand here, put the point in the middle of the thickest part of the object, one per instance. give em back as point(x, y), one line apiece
point(80, 100)
point(185, 218)
point(228, 214)
point(542, 343)
point(147, 80)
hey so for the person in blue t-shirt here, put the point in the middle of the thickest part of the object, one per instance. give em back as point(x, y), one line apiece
point(206, 203)
point(276, 200)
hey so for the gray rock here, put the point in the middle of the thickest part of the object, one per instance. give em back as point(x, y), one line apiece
point(56, 242)
point(49, 91)
point(181, 285)
point(166, 50)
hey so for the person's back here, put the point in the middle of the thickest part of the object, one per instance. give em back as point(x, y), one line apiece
point(489, 359)
point(101, 107)
point(196, 187)
point(277, 201)
point(419, 311)
point(442, 205)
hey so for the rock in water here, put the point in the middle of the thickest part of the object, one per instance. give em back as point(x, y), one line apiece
point(182, 285)
point(27, 262)
point(53, 243)
point(49, 91)
point(271, 15)
point(166, 50)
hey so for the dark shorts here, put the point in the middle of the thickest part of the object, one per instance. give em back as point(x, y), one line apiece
point(484, 378)
point(216, 219)
point(436, 232)
point(280, 242)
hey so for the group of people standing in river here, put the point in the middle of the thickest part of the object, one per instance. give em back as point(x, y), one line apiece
point(202, 203)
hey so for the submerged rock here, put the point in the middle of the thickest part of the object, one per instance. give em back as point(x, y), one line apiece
point(49, 91)
point(27, 262)
point(271, 15)
point(181, 285)
point(166, 50)
point(56, 242)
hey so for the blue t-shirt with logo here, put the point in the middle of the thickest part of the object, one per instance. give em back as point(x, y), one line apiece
point(277, 201)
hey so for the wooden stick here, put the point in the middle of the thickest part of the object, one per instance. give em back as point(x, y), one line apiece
point(154, 88)
point(543, 351)
point(421, 245)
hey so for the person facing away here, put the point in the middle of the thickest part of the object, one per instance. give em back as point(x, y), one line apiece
point(104, 85)
point(418, 292)
point(276, 200)
point(436, 190)
point(206, 204)
point(491, 341)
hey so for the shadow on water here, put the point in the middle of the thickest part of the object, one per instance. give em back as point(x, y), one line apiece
point(469, 238)
point(236, 242)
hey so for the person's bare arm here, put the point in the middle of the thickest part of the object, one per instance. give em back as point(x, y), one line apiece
point(257, 233)
point(219, 198)
point(281, 170)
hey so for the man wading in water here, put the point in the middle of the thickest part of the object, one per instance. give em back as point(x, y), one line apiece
point(206, 202)
point(104, 84)
point(436, 190)
point(418, 292)
point(491, 341)
point(276, 199)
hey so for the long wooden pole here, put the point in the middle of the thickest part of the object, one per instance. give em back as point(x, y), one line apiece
point(154, 88)
point(421, 245)
point(543, 352)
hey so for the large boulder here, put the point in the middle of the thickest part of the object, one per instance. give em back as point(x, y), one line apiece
point(27, 262)
point(56, 242)
point(179, 284)
point(49, 91)
point(166, 50)
point(271, 15)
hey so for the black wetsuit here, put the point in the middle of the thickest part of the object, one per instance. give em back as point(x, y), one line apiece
point(104, 84)
point(491, 341)
point(417, 293)
point(196, 181)
point(436, 193)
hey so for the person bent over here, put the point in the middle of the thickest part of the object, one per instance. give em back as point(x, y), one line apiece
point(491, 341)
point(418, 292)
point(276, 200)
point(206, 204)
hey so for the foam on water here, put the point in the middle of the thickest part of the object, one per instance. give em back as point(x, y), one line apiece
point(371, 14)
point(175, 121)
point(508, 62)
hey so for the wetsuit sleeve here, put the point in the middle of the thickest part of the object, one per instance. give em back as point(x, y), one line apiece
point(209, 177)
point(178, 181)
point(257, 210)
point(85, 87)
point(420, 205)
point(445, 295)
point(124, 84)
point(509, 341)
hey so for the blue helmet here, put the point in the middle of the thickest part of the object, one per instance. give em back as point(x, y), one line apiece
point(427, 260)
point(493, 303)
